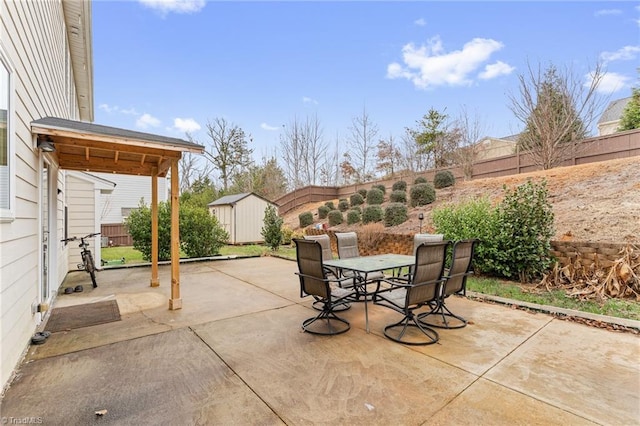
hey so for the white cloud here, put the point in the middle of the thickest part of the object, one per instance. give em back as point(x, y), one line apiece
point(611, 82)
point(607, 12)
point(186, 125)
point(496, 70)
point(308, 100)
point(147, 120)
point(265, 126)
point(110, 109)
point(627, 53)
point(176, 6)
point(420, 22)
point(429, 65)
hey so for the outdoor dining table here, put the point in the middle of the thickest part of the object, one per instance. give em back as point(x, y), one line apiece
point(362, 266)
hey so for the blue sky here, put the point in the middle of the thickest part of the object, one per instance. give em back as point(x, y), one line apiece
point(170, 66)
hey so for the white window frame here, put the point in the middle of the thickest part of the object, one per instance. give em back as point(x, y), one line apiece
point(8, 214)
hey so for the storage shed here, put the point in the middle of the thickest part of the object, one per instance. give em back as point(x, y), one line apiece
point(242, 216)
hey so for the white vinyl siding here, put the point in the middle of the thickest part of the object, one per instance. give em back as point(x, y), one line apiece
point(33, 39)
point(81, 203)
point(128, 192)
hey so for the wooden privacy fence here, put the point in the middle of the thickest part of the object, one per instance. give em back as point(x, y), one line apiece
point(601, 148)
point(115, 234)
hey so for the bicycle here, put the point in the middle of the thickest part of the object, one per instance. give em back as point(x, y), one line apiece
point(87, 257)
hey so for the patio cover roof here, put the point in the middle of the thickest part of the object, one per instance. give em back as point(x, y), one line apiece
point(95, 148)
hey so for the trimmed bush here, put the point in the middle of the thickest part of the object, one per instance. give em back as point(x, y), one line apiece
point(399, 186)
point(398, 196)
point(362, 192)
point(287, 235)
point(395, 214)
point(381, 188)
point(443, 179)
point(357, 208)
point(330, 205)
point(306, 219)
point(353, 216)
point(420, 179)
point(323, 211)
point(343, 205)
point(335, 217)
point(375, 196)
point(372, 214)
point(422, 194)
point(356, 199)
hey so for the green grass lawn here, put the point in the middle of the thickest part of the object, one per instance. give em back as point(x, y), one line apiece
point(511, 290)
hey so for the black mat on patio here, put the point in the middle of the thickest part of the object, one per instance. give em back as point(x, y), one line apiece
point(79, 316)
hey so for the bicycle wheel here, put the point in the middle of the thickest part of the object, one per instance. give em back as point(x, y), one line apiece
point(90, 267)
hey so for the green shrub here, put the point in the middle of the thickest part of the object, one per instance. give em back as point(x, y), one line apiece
point(323, 211)
point(398, 196)
point(200, 233)
point(356, 199)
point(399, 186)
point(471, 219)
point(381, 187)
point(372, 214)
point(343, 205)
point(287, 235)
point(330, 205)
point(363, 193)
point(306, 219)
point(422, 194)
point(375, 196)
point(357, 208)
point(335, 217)
point(443, 179)
point(525, 231)
point(395, 214)
point(420, 179)
point(353, 216)
point(272, 229)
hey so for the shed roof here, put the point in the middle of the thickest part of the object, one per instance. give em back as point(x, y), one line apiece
point(234, 198)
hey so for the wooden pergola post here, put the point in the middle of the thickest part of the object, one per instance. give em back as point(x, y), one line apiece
point(155, 280)
point(175, 302)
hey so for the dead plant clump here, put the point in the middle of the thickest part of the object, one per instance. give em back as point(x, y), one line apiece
point(592, 281)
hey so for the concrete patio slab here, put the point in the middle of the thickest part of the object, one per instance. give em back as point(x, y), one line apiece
point(236, 355)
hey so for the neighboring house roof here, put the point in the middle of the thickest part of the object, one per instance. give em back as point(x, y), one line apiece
point(233, 199)
point(614, 110)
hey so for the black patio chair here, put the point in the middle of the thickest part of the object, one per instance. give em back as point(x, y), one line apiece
point(456, 283)
point(314, 281)
point(423, 289)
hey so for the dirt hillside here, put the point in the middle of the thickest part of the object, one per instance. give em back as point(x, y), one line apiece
point(598, 202)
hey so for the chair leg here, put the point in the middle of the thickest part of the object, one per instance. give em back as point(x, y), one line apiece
point(449, 319)
point(398, 331)
point(328, 324)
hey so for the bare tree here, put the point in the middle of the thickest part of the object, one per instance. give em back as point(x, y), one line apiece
point(389, 156)
point(303, 151)
point(557, 109)
point(362, 141)
point(470, 130)
point(228, 150)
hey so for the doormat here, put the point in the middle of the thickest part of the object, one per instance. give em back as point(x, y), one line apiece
point(79, 316)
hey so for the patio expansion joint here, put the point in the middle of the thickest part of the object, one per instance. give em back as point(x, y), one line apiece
point(235, 373)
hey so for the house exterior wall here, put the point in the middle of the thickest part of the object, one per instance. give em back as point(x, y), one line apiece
point(34, 45)
point(608, 128)
point(126, 195)
point(81, 203)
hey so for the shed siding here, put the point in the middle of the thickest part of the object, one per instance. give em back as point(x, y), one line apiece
point(249, 220)
point(224, 214)
point(35, 45)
